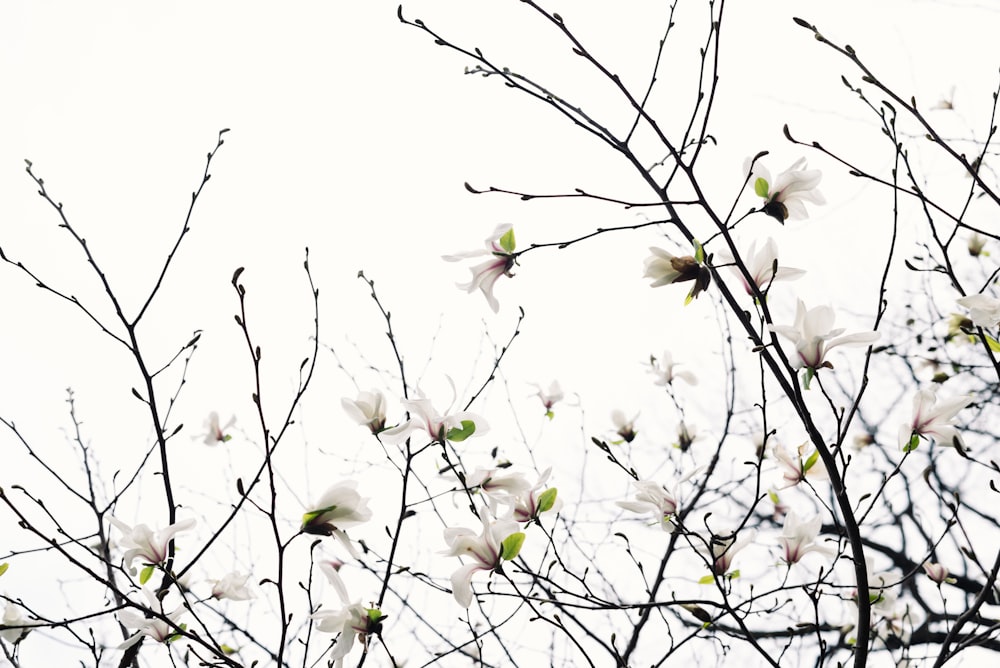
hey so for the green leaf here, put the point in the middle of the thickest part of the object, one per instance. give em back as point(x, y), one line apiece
point(699, 252)
point(507, 241)
point(3, 568)
point(707, 580)
point(761, 187)
point(771, 494)
point(545, 501)
point(511, 545)
point(992, 343)
point(374, 615)
point(226, 438)
point(549, 414)
point(309, 517)
point(807, 377)
point(145, 574)
point(734, 574)
point(460, 434)
point(811, 461)
point(226, 649)
point(913, 444)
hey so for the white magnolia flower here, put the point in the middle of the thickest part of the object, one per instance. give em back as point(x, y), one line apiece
point(983, 309)
point(663, 369)
point(158, 629)
point(551, 396)
point(976, 244)
point(16, 622)
point(353, 621)
point(499, 245)
point(665, 268)
point(814, 336)
point(933, 420)
point(653, 498)
point(531, 503)
point(368, 410)
point(798, 538)
point(937, 573)
point(500, 486)
point(760, 265)
point(485, 551)
point(722, 550)
point(424, 417)
point(340, 508)
point(150, 547)
point(785, 197)
point(624, 427)
point(798, 466)
point(233, 586)
point(213, 432)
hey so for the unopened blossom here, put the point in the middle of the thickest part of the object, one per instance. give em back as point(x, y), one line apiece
point(339, 508)
point(686, 435)
point(937, 573)
point(624, 427)
point(215, 433)
point(485, 552)
point(798, 537)
point(663, 370)
point(946, 102)
point(933, 419)
point(651, 497)
point(976, 244)
point(785, 196)
point(666, 268)
point(799, 465)
point(353, 621)
point(528, 505)
point(155, 628)
point(722, 550)
point(233, 586)
point(150, 547)
point(17, 623)
point(368, 409)
point(424, 417)
point(814, 336)
point(500, 246)
point(760, 266)
point(983, 309)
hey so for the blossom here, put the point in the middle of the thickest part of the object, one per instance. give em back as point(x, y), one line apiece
point(499, 540)
point(530, 504)
point(798, 537)
point(160, 630)
point(456, 427)
point(722, 549)
point(664, 371)
point(665, 268)
point(946, 102)
point(150, 547)
point(937, 573)
point(976, 244)
point(340, 507)
point(805, 463)
point(353, 621)
point(785, 197)
point(16, 624)
point(932, 419)
point(368, 410)
point(214, 433)
point(624, 428)
point(653, 498)
point(814, 336)
point(500, 245)
point(233, 586)
point(983, 309)
point(686, 435)
point(761, 266)
point(497, 485)
point(550, 397)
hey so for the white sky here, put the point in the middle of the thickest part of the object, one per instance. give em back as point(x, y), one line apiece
point(352, 134)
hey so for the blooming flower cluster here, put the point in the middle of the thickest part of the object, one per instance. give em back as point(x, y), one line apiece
point(798, 538)
point(933, 420)
point(150, 547)
point(367, 410)
point(339, 508)
point(424, 417)
point(666, 268)
point(762, 266)
point(795, 467)
point(354, 622)
point(160, 629)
